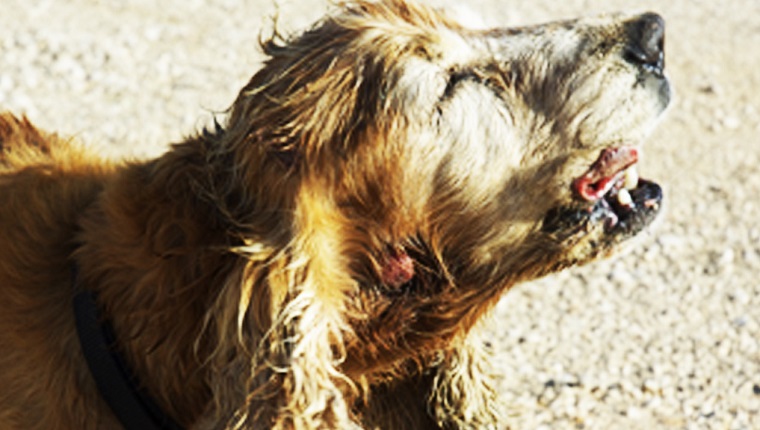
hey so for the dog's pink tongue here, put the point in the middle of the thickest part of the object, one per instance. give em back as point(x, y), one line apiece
point(398, 269)
point(600, 176)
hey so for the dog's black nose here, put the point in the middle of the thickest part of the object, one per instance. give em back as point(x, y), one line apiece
point(646, 44)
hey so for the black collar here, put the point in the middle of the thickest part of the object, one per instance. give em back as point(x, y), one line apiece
point(118, 386)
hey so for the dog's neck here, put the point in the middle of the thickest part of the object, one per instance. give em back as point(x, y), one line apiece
point(188, 242)
point(170, 254)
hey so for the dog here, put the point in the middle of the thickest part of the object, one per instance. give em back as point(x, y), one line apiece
point(326, 255)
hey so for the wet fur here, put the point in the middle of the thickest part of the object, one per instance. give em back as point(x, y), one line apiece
point(242, 270)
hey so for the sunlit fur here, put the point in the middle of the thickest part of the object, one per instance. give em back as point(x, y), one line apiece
point(242, 270)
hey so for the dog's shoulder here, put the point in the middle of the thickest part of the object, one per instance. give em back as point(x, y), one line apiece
point(22, 145)
point(44, 173)
point(21, 142)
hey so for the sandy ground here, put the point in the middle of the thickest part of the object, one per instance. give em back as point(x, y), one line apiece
point(665, 337)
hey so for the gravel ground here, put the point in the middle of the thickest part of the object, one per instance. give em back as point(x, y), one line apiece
point(665, 337)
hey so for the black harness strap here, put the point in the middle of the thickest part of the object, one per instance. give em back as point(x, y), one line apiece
point(117, 384)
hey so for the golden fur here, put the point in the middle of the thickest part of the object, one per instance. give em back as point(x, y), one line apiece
point(322, 259)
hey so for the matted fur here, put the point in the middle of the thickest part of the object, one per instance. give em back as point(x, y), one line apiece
point(324, 257)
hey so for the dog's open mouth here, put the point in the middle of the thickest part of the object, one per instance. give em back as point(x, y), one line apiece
point(624, 201)
point(613, 194)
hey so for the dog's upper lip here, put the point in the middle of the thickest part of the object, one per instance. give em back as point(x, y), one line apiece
point(604, 172)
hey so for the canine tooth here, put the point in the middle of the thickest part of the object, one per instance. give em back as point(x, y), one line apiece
point(624, 198)
point(631, 179)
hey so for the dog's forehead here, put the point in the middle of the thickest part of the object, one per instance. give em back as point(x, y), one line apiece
point(446, 43)
point(555, 37)
point(419, 80)
point(456, 48)
point(465, 40)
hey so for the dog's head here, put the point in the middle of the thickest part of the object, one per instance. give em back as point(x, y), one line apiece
point(504, 153)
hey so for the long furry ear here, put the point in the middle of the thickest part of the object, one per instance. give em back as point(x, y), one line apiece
point(318, 96)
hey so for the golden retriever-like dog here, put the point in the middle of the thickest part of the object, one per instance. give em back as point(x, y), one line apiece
point(323, 256)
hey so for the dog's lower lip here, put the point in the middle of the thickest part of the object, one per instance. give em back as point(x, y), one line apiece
point(619, 221)
point(646, 201)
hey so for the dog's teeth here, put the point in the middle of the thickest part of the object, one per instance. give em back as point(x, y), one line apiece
point(624, 198)
point(631, 179)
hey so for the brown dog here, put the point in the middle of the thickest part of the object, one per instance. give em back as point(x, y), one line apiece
point(322, 259)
